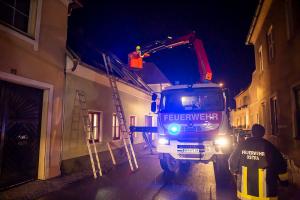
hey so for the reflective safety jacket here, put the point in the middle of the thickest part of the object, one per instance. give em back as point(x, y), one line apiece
point(259, 166)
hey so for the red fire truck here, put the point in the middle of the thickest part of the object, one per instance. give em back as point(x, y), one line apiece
point(192, 122)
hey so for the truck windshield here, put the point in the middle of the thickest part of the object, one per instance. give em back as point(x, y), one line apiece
point(195, 99)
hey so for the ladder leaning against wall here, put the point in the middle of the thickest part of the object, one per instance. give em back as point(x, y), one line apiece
point(120, 115)
point(88, 133)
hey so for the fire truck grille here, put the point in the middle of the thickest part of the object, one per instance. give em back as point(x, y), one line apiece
point(190, 155)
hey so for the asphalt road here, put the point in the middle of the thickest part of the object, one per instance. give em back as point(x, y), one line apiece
point(150, 183)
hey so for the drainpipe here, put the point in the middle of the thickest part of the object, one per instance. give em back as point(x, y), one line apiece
point(63, 115)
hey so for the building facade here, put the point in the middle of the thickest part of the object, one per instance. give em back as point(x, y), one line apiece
point(32, 60)
point(136, 101)
point(273, 97)
point(38, 138)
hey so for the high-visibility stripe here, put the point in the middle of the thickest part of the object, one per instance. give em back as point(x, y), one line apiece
point(243, 196)
point(244, 188)
point(284, 176)
point(262, 185)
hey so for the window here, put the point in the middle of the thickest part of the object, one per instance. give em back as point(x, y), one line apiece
point(19, 15)
point(289, 19)
point(132, 122)
point(115, 127)
point(95, 130)
point(200, 99)
point(263, 114)
point(271, 44)
point(260, 59)
point(274, 116)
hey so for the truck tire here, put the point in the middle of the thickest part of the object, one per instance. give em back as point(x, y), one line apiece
point(169, 164)
point(163, 164)
point(185, 166)
point(222, 173)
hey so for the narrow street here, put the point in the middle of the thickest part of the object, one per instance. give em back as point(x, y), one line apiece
point(149, 182)
point(86, 86)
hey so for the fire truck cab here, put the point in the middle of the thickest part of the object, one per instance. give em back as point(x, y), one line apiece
point(192, 125)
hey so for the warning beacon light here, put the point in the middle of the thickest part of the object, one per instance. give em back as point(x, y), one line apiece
point(174, 129)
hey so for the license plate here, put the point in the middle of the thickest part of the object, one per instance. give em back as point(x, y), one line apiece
point(189, 150)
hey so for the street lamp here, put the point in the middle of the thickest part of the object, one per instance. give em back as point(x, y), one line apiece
point(221, 84)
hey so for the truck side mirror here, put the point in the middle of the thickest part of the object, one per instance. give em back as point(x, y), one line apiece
point(153, 106)
point(154, 97)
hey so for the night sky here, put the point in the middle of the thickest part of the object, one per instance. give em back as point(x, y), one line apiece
point(119, 26)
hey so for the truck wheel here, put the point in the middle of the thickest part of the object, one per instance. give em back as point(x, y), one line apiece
point(221, 169)
point(169, 164)
point(185, 166)
point(163, 164)
point(221, 163)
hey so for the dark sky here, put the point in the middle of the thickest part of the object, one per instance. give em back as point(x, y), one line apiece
point(120, 26)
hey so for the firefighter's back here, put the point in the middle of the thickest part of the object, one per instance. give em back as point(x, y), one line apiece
point(259, 167)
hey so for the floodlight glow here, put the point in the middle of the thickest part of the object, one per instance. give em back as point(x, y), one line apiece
point(221, 141)
point(163, 141)
point(183, 100)
point(174, 129)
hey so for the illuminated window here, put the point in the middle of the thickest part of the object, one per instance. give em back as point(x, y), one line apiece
point(260, 59)
point(271, 44)
point(132, 122)
point(95, 130)
point(115, 127)
point(19, 15)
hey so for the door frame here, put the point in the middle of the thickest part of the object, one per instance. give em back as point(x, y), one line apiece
point(293, 108)
point(44, 149)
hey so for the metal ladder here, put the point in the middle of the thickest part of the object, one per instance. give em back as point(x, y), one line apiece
point(120, 113)
point(88, 132)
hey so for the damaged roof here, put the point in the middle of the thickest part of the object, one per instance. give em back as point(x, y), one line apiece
point(120, 70)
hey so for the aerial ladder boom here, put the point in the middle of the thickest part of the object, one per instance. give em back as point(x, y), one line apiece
point(136, 57)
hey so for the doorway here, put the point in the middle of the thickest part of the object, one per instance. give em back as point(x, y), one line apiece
point(297, 111)
point(20, 127)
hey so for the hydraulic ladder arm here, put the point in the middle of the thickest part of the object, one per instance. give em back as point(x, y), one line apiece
point(136, 57)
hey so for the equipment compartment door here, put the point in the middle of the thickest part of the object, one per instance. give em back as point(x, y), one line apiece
point(20, 116)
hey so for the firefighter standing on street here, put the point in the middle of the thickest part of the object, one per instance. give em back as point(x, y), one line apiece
point(258, 166)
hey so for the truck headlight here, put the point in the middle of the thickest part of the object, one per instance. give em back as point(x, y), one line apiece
point(174, 129)
point(163, 141)
point(222, 141)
